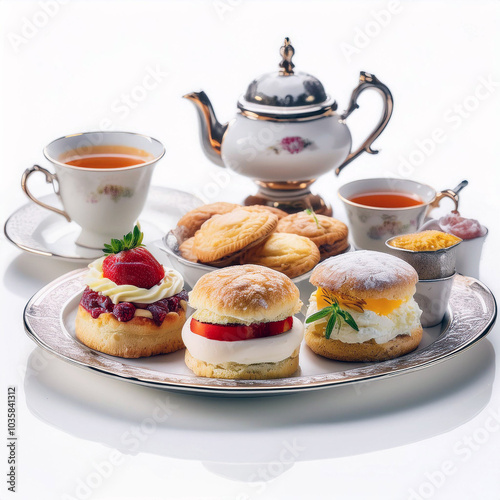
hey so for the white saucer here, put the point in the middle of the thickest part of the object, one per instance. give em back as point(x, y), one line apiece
point(37, 230)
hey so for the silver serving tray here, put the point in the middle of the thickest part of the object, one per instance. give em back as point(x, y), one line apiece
point(50, 313)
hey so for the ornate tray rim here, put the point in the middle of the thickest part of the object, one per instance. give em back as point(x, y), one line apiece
point(466, 326)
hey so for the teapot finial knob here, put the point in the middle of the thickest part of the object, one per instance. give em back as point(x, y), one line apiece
point(287, 52)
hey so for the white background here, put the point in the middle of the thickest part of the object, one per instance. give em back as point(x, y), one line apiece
point(67, 72)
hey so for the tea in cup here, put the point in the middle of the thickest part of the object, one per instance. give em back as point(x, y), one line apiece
point(102, 180)
point(380, 208)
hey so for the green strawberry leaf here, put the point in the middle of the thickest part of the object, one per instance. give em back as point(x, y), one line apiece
point(128, 242)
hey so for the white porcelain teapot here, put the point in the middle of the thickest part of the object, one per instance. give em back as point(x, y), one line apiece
point(287, 133)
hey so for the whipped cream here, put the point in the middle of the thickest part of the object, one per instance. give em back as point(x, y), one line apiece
point(143, 313)
point(171, 284)
point(401, 321)
point(246, 352)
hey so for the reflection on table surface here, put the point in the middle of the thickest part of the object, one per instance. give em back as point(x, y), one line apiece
point(231, 435)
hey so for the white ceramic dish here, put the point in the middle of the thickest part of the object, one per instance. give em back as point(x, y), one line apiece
point(50, 314)
point(36, 230)
point(193, 271)
point(432, 297)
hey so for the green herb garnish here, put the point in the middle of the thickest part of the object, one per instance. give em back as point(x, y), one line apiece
point(336, 313)
point(308, 211)
point(128, 242)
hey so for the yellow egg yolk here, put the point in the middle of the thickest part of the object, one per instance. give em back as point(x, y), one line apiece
point(383, 307)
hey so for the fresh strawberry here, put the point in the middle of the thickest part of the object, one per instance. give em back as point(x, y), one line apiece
point(130, 263)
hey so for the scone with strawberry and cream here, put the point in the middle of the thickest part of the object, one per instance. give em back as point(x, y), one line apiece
point(244, 327)
point(132, 305)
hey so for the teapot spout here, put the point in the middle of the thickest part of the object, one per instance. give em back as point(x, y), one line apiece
point(212, 132)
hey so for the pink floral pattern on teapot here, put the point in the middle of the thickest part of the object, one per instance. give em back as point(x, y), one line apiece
point(293, 145)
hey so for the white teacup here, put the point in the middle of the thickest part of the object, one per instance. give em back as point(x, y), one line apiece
point(371, 226)
point(104, 200)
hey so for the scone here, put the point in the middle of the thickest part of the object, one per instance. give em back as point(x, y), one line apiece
point(223, 238)
point(259, 208)
point(132, 305)
point(290, 254)
point(187, 251)
point(192, 221)
point(329, 234)
point(363, 308)
point(243, 327)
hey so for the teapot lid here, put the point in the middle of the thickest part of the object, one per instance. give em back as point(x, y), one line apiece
point(286, 94)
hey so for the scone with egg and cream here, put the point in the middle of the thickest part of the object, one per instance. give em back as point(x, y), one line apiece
point(243, 327)
point(132, 305)
point(363, 308)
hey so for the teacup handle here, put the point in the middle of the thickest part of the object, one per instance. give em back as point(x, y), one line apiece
point(368, 81)
point(49, 178)
point(447, 193)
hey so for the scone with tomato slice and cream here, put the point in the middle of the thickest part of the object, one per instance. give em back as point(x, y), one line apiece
point(363, 308)
point(243, 327)
point(132, 305)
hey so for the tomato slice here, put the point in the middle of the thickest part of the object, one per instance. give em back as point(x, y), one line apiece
point(229, 333)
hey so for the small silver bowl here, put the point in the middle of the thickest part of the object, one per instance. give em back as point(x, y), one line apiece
point(469, 253)
point(429, 264)
point(432, 297)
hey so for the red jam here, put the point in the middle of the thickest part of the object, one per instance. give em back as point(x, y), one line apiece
point(96, 304)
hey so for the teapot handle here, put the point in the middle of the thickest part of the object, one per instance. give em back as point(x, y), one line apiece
point(368, 81)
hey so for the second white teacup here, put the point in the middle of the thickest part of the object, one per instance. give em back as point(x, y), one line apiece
point(371, 225)
point(102, 180)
